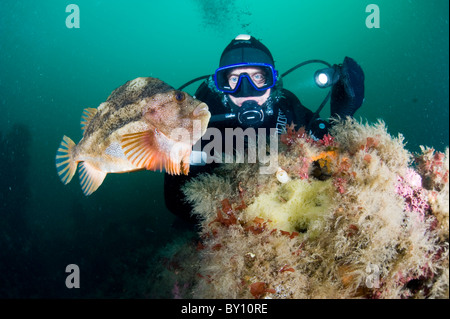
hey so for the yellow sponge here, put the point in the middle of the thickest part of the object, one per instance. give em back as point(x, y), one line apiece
point(298, 205)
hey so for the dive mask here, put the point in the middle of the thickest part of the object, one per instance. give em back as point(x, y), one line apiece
point(245, 84)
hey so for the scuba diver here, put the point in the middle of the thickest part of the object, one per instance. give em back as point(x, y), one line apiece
point(246, 91)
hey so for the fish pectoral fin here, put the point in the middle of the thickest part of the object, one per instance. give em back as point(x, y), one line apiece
point(186, 162)
point(86, 117)
point(152, 150)
point(65, 164)
point(90, 178)
point(180, 154)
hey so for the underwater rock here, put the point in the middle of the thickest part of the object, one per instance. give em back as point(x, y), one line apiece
point(368, 229)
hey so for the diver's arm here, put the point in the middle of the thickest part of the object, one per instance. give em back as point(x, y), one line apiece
point(347, 94)
point(174, 198)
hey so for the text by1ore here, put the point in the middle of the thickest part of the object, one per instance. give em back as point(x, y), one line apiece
point(246, 308)
point(229, 309)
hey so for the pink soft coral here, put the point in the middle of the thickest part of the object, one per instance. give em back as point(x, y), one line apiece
point(327, 140)
point(410, 188)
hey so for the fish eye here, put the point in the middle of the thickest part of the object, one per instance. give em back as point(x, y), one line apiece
point(179, 96)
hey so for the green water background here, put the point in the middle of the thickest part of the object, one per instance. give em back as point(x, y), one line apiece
point(49, 73)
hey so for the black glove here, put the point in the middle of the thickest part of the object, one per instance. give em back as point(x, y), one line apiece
point(347, 94)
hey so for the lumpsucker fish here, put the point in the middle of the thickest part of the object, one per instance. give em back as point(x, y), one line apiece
point(144, 124)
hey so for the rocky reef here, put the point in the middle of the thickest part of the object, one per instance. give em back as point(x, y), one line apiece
point(354, 215)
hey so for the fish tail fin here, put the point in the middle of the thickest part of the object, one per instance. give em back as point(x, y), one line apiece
point(65, 164)
point(90, 178)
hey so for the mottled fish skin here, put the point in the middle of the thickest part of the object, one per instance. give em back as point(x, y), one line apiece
point(122, 106)
point(146, 111)
point(120, 114)
point(123, 113)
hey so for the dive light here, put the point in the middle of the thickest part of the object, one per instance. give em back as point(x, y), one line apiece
point(326, 77)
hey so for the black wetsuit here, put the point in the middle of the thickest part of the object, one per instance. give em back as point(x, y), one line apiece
point(286, 110)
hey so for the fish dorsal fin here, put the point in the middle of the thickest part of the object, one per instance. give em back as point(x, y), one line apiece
point(86, 117)
point(90, 178)
point(152, 150)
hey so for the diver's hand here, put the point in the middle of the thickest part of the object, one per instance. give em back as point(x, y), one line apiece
point(347, 94)
point(198, 158)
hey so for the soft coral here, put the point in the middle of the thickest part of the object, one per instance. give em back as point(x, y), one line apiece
point(230, 218)
point(292, 135)
point(410, 188)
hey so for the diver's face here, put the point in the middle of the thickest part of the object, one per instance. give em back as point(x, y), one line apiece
point(256, 75)
point(258, 78)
